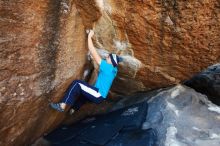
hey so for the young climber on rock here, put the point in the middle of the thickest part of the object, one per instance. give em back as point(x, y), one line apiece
point(96, 93)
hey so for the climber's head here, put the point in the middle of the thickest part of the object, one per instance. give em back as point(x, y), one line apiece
point(113, 59)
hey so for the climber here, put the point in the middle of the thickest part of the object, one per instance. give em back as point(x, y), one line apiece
point(108, 69)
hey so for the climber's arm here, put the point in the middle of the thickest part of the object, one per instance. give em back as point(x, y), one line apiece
point(92, 49)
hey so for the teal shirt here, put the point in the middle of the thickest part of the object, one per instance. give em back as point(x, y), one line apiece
point(107, 73)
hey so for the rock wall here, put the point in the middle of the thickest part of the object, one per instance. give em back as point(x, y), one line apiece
point(43, 48)
point(172, 39)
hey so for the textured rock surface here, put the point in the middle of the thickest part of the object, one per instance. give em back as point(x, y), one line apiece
point(39, 42)
point(43, 48)
point(172, 39)
point(208, 82)
point(181, 116)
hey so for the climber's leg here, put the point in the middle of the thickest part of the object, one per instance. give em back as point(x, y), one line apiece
point(78, 88)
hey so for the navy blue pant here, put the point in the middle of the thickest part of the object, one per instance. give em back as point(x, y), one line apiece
point(81, 89)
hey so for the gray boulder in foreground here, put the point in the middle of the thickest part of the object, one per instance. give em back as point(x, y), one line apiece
point(183, 117)
point(180, 116)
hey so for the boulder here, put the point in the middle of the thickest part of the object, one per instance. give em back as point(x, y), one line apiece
point(208, 83)
point(180, 115)
point(173, 116)
point(170, 41)
point(43, 48)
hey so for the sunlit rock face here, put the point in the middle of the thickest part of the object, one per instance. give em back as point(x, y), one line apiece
point(208, 82)
point(181, 116)
point(43, 48)
point(172, 40)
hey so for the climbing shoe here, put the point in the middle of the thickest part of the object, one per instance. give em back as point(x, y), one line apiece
point(57, 107)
